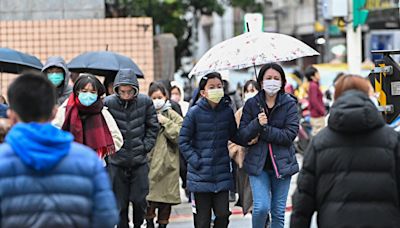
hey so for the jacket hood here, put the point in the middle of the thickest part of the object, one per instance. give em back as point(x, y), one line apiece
point(39, 146)
point(354, 112)
point(126, 77)
point(57, 61)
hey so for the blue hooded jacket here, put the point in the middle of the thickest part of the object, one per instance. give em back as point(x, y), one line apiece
point(278, 135)
point(47, 180)
point(203, 142)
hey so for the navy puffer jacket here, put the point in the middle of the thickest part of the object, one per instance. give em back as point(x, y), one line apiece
point(203, 142)
point(281, 130)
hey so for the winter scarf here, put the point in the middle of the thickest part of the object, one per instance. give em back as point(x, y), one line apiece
point(88, 126)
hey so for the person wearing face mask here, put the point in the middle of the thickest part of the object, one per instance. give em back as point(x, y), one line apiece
point(272, 117)
point(237, 153)
point(85, 116)
point(350, 174)
point(136, 117)
point(203, 140)
point(163, 160)
point(177, 96)
point(57, 72)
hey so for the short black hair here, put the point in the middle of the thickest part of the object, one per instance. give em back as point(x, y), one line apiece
point(85, 79)
point(276, 67)
point(32, 96)
point(204, 79)
point(157, 86)
point(250, 82)
point(310, 72)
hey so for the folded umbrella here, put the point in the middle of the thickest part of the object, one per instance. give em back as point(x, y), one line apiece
point(13, 61)
point(104, 63)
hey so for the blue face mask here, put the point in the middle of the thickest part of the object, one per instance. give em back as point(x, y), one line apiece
point(56, 78)
point(87, 98)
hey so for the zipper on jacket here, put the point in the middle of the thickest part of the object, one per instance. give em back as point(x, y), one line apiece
point(271, 153)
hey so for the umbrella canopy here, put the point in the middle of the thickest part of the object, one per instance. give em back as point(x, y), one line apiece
point(13, 61)
point(251, 49)
point(104, 63)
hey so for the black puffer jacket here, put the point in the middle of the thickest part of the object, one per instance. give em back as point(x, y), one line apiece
point(351, 169)
point(137, 121)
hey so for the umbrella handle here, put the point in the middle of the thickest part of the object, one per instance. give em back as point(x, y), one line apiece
point(255, 71)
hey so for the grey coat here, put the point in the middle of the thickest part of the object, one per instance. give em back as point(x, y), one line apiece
point(64, 90)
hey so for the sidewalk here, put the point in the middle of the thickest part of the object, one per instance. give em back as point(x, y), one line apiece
point(183, 211)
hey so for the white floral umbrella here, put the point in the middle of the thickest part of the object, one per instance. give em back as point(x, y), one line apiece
point(251, 49)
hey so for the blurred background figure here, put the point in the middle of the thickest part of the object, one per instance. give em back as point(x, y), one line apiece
point(350, 172)
point(57, 72)
point(177, 96)
point(86, 117)
point(109, 85)
point(163, 160)
point(315, 97)
point(238, 153)
point(3, 107)
point(40, 163)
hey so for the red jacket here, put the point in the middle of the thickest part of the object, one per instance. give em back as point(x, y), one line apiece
point(316, 105)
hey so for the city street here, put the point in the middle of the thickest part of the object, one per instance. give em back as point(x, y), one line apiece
point(181, 216)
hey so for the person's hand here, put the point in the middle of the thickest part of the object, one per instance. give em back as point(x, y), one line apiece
point(253, 141)
point(162, 119)
point(262, 118)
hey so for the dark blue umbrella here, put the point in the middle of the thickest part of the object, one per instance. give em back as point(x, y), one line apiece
point(104, 63)
point(13, 61)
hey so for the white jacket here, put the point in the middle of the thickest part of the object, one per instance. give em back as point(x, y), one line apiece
point(112, 125)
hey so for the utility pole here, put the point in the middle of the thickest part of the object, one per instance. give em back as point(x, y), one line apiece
point(357, 17)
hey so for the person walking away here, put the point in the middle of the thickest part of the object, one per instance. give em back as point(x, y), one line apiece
point(57, 72)
point(137, 120)
point(177, 96)
point(163, 160)
point(46, 179)
point(315, 98)
point(203, 140)
point(272, 117)
point(85, 116)
point(238, 153)
point(350, 181)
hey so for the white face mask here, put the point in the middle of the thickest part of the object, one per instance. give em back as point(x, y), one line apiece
point(158, 103)
point(249, 95)
point(272, 86)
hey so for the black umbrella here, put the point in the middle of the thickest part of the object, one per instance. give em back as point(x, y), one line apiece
point(104, 63)
point(13, 61)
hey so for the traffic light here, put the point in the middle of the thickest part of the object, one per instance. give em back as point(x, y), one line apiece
point(359, 13)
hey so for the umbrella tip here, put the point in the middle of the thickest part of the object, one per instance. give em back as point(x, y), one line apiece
point(247, 26)
point(106, 47)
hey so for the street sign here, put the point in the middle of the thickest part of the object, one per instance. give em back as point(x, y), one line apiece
point(253, 22)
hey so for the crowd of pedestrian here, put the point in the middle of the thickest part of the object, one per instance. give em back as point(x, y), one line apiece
point(81, 153)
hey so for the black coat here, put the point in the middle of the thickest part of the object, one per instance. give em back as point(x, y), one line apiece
point(350, 174)
point(137, 121)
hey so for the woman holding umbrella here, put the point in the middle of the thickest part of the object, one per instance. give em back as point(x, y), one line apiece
point(86, 117)
point(272, 116)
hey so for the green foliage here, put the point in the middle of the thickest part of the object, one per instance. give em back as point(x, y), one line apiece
point(169, 15)
point(248, 5)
